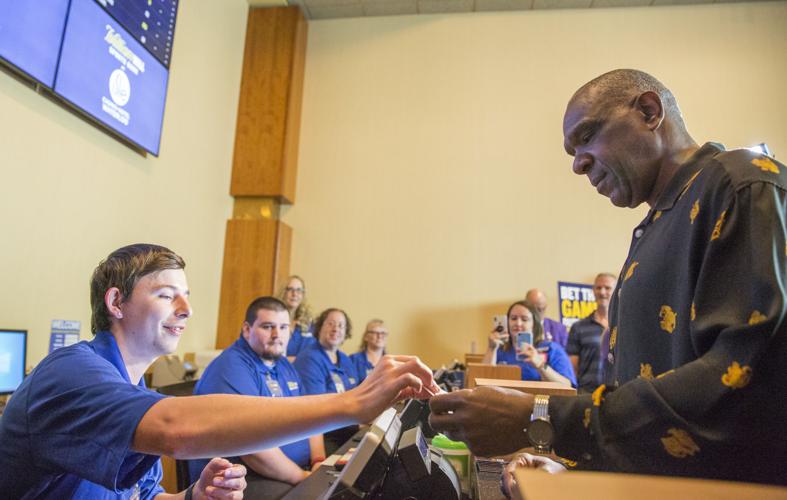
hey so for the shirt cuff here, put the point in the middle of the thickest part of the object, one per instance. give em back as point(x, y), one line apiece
point(571, 417)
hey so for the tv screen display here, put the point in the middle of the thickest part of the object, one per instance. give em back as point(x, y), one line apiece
point(30, 36)
point(13, 349)
point(109, 75)
point(151, 22)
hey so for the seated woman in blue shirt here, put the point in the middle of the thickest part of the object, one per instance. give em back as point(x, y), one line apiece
point(541, 360)
point(294, 295)
point(324, 369)
point(372, 348)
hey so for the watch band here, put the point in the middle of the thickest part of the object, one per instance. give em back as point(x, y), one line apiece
point(541, 408)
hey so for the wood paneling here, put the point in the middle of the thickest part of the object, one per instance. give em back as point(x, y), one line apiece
point(529, 386)
point(269, 107)
point(480, 370)
point(255, 253)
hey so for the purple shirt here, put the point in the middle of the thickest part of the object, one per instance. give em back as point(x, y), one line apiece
point(555, 331)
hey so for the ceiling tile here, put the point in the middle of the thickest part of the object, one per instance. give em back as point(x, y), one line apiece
point(497, 5)
point(444, 6)
point(679, 2)
point(390, 7)
point(620, 3)
point(335, 11)
point(561, 4)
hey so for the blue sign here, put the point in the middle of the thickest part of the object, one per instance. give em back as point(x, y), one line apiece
point(64, 333)
point(30, 36)
point(576, 301)
point(107, 73)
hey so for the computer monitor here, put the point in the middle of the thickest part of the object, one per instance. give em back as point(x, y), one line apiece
point(13, 351)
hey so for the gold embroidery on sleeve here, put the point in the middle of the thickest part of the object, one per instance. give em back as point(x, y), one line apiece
point(717, 228)
point(756, 317)
point(656, 215)
point(598, 395)
point(630, 270)
point(613, 338)
point(765, 164)
point(679, 443)
point(586, 419)
point(668, 318)
point(566, 462)
point(693, 312)
point(660, 375)
point(646, 371)
point(695, 209)
point(737, 376)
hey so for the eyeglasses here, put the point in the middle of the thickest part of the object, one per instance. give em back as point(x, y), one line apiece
point(379, 333)
point(290, 289)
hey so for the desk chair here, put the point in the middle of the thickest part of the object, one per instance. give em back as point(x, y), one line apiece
point(480, 370)
point(180, 468)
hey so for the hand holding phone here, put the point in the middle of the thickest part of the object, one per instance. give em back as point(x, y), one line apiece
point(523, 338)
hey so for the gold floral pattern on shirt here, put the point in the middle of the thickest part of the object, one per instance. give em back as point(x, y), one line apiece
point(695, 209)
point(667, 319)
point(646, 371)
point(656, 216)
point(586, 418)
point(679, 443)
point(598, 395)
point(756, 317)
point(660, 375)
point(766, 164)
point(630, 271)
point(737, 376)
point(717, 228)
point(569, 464)
point(613, 338)
point(693, 312)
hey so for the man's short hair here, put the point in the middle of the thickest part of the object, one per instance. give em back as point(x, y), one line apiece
point(605, 275)
point(122, 269)
point(266, 303)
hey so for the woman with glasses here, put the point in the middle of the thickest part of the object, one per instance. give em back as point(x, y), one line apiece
point(372, 348)
point(324, 368)
point(301, 330)
point(539, 360)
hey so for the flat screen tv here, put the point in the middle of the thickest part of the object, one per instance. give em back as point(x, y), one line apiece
point(110, 76)
point(30, 36)
point(13, 352)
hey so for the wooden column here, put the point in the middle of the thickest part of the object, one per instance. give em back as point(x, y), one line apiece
point(264, 168)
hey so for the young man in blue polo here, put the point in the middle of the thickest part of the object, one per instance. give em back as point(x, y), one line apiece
point(83, 425)
point(255, 365)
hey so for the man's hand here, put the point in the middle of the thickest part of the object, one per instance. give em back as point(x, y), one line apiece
point(527, 460)
point(220, 479)
point(490, 420)
point(394, 378)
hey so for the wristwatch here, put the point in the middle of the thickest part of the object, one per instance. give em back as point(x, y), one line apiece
point(540, 431)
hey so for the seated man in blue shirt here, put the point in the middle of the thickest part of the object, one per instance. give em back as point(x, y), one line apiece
point(83, 425)
point(255, 365)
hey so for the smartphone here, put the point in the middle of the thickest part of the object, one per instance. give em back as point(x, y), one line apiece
point(524, 338)
point(499, 323)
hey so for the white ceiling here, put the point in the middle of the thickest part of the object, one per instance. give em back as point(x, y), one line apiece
point(330, 9)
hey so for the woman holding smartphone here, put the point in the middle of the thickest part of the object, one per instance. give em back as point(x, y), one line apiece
point(539, 359)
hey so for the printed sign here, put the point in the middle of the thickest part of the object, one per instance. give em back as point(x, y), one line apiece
point(64, 333)
point(576, 301)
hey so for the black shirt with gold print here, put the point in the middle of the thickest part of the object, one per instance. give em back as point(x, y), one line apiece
point(696, 376)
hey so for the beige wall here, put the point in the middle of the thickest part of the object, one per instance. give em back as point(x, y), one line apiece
point(69, 194)
point(433, 189)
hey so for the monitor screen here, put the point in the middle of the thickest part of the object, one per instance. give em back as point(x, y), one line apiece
point(151, 22)
point(30, 36)
point(13, 349)
point(109, 75)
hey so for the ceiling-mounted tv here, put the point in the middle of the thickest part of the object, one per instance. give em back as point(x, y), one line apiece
point(30, 36)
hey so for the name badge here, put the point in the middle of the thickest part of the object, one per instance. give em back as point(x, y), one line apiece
point(273, 386)
point(292, 386)
point(337, 381)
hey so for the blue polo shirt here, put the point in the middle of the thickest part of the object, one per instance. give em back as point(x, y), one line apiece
point(300, 340)
point(320, 376)
point(239, 370)
point(362, 365)
point(556, 358)
point(68, 429)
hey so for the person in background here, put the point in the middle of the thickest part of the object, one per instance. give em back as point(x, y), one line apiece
point(325, 369)
point(255, 365)
point(372, 348)
point(554, 331)
point(83, 425)
point(301, 334)
point(541, 360)
point(584, 339)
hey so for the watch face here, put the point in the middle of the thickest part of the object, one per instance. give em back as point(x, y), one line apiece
point(540, 432)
